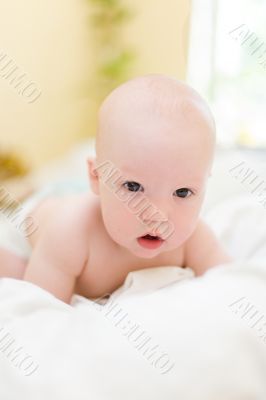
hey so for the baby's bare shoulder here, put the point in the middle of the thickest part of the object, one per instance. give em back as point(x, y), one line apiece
point(199, 235)
point(203, 249)
point(67, 219)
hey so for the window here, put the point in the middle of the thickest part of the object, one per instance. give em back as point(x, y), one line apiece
point(227, 65)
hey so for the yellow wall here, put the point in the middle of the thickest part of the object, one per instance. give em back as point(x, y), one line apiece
point(159, 32)
point(50, 41)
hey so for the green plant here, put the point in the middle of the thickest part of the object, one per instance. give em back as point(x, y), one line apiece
point(113, 58)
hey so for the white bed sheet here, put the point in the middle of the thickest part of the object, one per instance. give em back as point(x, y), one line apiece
point(200, 345)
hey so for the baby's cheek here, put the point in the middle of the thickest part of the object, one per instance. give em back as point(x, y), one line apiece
point(184, 225)
point(118, 214)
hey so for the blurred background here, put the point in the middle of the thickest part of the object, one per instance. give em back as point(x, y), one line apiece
point(60, 58)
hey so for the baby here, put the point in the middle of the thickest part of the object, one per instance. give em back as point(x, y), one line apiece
point(154, 153)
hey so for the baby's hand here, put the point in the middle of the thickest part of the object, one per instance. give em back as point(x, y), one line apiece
point(203, 250)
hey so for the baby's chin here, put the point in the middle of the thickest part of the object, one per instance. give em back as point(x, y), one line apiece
point(142, 253)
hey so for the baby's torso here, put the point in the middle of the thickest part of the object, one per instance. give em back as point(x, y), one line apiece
point(108, 264)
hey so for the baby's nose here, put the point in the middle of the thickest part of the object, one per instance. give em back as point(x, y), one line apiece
point(153, 214)
point(153, 220)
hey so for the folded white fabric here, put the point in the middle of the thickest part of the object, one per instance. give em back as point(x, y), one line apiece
point(164, 335)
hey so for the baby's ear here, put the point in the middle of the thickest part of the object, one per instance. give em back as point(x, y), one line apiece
point(93, 175)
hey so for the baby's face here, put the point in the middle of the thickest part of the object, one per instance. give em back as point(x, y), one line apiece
point(161, 162)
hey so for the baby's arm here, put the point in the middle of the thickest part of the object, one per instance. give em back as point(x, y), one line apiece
point(58, 256)
point(203, 250)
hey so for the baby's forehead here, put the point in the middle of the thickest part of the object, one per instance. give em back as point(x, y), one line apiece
point(161, 160)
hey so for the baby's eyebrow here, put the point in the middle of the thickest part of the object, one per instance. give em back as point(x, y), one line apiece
point(127, 171)
point(193, 181)
point(125, 168)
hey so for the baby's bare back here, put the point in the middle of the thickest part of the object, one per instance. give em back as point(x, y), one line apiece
point(73, 252)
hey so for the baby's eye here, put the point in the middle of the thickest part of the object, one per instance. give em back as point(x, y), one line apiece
point(132, 186)
point(183, 192)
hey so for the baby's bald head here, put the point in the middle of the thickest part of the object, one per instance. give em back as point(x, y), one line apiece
point(129, 114)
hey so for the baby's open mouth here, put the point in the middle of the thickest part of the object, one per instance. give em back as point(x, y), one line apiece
point(149, 237)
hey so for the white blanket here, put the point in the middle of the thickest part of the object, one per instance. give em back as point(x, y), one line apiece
point(164, 335)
